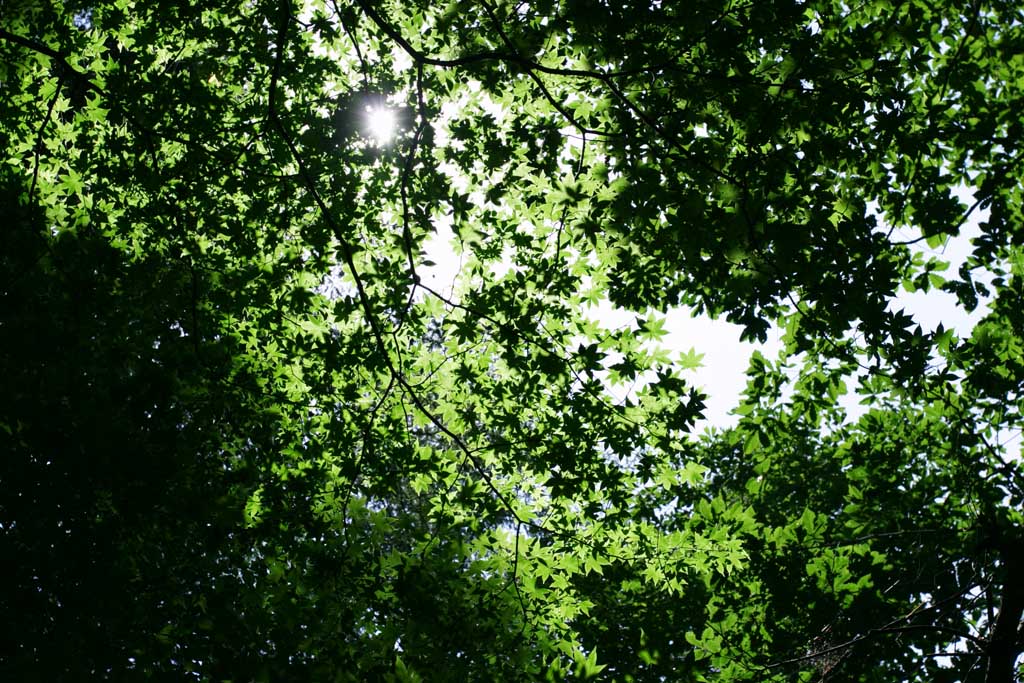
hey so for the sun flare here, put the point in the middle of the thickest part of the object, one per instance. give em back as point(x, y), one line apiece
point(380, 124)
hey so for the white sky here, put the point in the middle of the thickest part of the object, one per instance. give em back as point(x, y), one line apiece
point(723, 374)
point(722, 377)
point(725, 357)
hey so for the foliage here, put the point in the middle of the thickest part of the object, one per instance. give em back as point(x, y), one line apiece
point(246, 439)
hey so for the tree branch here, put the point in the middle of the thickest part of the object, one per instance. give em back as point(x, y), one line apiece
point(347, 255)
point(1003, 644)
point(56, 56)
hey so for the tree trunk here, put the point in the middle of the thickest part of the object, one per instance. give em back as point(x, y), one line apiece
point(1003, 644)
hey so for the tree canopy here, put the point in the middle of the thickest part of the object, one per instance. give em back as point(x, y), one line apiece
point(246, 437)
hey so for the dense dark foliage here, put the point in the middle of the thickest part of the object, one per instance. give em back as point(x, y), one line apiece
point(245, 438)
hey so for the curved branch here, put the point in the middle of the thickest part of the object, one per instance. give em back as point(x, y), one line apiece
point(55, 55)
point(478, 57)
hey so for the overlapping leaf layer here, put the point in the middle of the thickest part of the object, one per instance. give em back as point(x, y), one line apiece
point(247, 435)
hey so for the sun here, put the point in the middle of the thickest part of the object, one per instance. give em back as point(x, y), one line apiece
point(380, 123)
